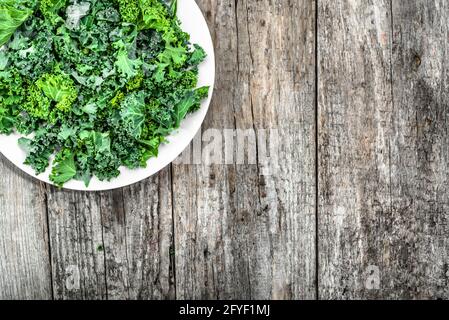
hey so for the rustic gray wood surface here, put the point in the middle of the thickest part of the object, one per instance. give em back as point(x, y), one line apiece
point(383, 149)
point(356, 205)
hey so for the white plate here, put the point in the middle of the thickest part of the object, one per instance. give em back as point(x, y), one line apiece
point(194, 23)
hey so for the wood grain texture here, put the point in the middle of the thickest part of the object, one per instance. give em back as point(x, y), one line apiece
point(137, 232)
point(354, 117)
point(115, 244)
point(419, 151)
point(383, 161)
point(76, 245)
point(239, 232)
point(24, 256)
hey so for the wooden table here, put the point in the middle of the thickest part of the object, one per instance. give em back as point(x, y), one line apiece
point(358, 204)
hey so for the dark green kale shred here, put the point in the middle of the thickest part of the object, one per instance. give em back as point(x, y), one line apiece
point(94, 84)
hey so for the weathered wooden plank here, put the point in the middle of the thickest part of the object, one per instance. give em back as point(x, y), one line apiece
point(138, 236)
point(383, 168)
point(420, 150)
point(113, 244)
point(355, 107)
point(24, 251)
point(76, 245)
point(201, 193)
point(241, 232)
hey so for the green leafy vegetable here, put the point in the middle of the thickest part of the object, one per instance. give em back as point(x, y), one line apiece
point(189, 103)
point(64, 169)
point(12, 16)
point(50, 8)
point(133, 114)
point(129, 10)
point(94, 84)
point(59, 88)
point(126, 66)
point(3, 61)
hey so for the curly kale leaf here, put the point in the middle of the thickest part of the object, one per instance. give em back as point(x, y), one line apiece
point(75, 13)
point(59, 88)
point(4, 59)
point(6, 120)
point(129, 10)
point(11, 95)
point(40, 148)
point(11, 18)
point(174, 7)
point(197, 56)
point(96, 142)
point(64, 168)
point(50, 9)
point(154, 16)
point(190, 102)
point(128, 67)
point(31, 51)
point(133, 113)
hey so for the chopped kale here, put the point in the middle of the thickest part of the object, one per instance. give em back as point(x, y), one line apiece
point(96, 84)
